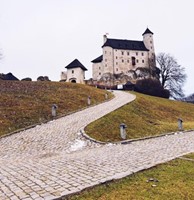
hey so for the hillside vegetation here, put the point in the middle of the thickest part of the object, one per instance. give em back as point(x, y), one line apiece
point(26, 103)
point(146, 116)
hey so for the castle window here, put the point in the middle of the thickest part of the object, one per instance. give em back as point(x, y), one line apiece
point(72, 71)
point(128, 61)
point(137, 61)
point(99, 73)
point(142, 54)
point(117, 69)
point(99, 67)
point(123, 61)
point(133, 61)
point(122, 52)
point(150, 42)
point(128, 53)
point(116, 57)
point(151, 47)
point(142, 61)
point(105, 65)
point(116, 63)
point(136, 53)
point(105, 52)
point(105, 60)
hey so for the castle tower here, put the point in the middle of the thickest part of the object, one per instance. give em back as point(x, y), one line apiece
point(75, 72)
point(149, 43)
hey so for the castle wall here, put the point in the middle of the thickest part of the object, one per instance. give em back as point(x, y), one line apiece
point(107, 62)
point(97, 70)
point(116, 61)
point(64, 76)
point(76, 74)
point(123, 60)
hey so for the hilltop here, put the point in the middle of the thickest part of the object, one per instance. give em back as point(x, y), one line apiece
point(23, 104)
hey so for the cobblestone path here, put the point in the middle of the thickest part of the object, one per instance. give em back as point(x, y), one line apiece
point(53, 160)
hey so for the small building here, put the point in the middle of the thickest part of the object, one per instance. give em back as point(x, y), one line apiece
point(75, 72)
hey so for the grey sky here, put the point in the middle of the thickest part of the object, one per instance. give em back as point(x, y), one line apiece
point(41, 37)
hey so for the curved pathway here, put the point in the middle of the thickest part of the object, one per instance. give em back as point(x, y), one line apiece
point(59, 136)
point(45, 163)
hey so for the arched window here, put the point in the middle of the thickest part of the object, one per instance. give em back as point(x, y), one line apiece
point(133, 61)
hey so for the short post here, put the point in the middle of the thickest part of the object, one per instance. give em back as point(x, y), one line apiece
point(106, 96)
point(89, 100)
point(54, 110)
point(180, 124)
point(123, 131)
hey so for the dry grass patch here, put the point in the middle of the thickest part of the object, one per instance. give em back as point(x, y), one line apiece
point(26, 103)
point(146, 116)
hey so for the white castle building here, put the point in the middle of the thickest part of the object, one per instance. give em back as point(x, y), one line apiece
point(75, 72)
point(125, 56)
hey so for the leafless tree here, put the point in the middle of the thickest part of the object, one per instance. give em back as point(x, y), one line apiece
point(172, 75)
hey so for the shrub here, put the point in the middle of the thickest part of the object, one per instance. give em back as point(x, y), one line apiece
point(26, 79)
point(151, 87)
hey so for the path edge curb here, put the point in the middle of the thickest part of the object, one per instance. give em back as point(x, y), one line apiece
point(83, 133)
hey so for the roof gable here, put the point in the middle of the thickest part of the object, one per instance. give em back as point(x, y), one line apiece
point(126, 44)
point(97, 60)
point(147, 31)
point(8, 76)
point(76, 64)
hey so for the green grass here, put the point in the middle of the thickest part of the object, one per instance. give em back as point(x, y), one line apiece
point(26, 103)
point(146, 116)
point(173, 180)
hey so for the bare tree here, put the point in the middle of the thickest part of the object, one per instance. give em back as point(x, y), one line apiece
point(172, 75)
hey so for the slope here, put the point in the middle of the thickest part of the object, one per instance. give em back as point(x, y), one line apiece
point(146, 116)
point(23, 104)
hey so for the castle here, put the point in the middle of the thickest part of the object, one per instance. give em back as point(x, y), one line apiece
point(122, 61)
point(125, 60)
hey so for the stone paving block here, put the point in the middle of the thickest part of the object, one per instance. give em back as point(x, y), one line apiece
point(13, 198)
point(38, 163)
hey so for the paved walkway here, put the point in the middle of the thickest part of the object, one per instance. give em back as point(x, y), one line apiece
point(53, 160)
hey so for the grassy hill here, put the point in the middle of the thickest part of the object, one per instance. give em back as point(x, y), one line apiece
point(26, 103)
point(23, 104)
point(146, 116)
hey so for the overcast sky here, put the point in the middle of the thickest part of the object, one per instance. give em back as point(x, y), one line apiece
point(41, 37)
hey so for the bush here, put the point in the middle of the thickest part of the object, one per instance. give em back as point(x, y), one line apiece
point(43, 78)
point(151, 87)
point(26, 79)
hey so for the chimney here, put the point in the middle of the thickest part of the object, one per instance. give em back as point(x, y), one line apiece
point(104, 38)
